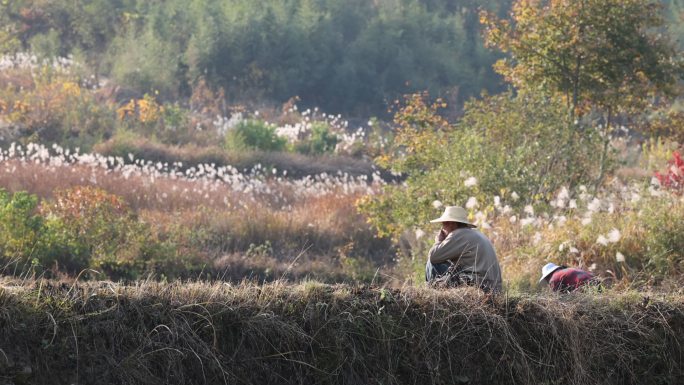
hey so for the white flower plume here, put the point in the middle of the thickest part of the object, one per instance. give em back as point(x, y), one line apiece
point(529, 209)
point(594, 205)
point(614, 236)
point(602, 240)
point(472, 203)
point(470, 182)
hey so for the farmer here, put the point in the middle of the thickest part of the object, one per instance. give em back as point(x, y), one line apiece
point(458, 244)
point(567, 279)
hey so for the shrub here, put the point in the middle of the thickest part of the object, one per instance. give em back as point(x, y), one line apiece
point(59, 108)
point(87, 228)
point(144, 114)
point(253, 134)
point(674, 179)
point(20, 231)
point(319, 141)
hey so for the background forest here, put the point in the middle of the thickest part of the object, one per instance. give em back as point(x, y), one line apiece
point(353, 57)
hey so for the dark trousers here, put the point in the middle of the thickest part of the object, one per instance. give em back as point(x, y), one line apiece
point(432, 270)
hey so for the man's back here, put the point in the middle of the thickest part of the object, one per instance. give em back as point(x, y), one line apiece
point(471, 250)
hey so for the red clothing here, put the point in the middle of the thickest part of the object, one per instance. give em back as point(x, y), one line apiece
point(569, 279)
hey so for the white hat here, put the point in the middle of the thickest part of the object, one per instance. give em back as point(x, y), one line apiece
point(454, 214)
point(547, 270)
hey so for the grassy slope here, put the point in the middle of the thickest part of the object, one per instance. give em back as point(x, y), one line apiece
point(313, 333)
point(296, 165)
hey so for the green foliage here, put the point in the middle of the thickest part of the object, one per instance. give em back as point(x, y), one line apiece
point(379, 140)
point(663, 243)
point(319, 141)
point(346, 56)
point(87, 228)
point(175, 117)
point(58, 108)
point(261, 251)
point(601, 53)
point(11, 31)
point(534, 149)
point(147, 60)
point(20, 230)
point(638, 242)
point(508, 144)
point(605, 57)
point(253, 134)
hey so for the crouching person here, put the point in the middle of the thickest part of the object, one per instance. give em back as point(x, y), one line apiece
point(567, 279)
point(469, 251)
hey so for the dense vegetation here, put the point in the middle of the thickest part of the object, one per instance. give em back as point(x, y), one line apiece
point(345, 56)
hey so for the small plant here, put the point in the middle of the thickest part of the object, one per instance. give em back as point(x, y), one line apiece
point(320, 141)
point(674, 180)
point(20, 231)
point(261, 251)
point(145, 113)
point(175, 117)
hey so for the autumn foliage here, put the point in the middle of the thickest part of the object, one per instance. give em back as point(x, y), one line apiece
point(674, 179)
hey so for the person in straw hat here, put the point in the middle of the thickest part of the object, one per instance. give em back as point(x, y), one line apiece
point(458, 243)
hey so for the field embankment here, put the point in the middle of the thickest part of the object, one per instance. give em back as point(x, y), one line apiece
point(52, 332)
point(296, 165)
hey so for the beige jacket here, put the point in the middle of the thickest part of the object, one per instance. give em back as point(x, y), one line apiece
point(471, 250)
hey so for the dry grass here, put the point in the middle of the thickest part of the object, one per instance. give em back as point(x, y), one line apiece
point(221, 221)
point(156, 333)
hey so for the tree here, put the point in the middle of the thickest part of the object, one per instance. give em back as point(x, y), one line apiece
point(605, 53)
point(519, 148)
point(607, 56)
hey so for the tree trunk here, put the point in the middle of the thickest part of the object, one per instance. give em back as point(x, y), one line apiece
point(606, 141)
point(575, 89)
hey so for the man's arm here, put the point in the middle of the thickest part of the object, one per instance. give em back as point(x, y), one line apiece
point(448, 249)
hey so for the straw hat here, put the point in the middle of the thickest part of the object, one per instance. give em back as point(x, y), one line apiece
point(454, 214)
point(547, 270)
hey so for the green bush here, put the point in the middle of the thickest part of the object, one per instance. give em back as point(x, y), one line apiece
point(253, 134)
point(20, 230)
point(319, 141)
point(87, 227)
